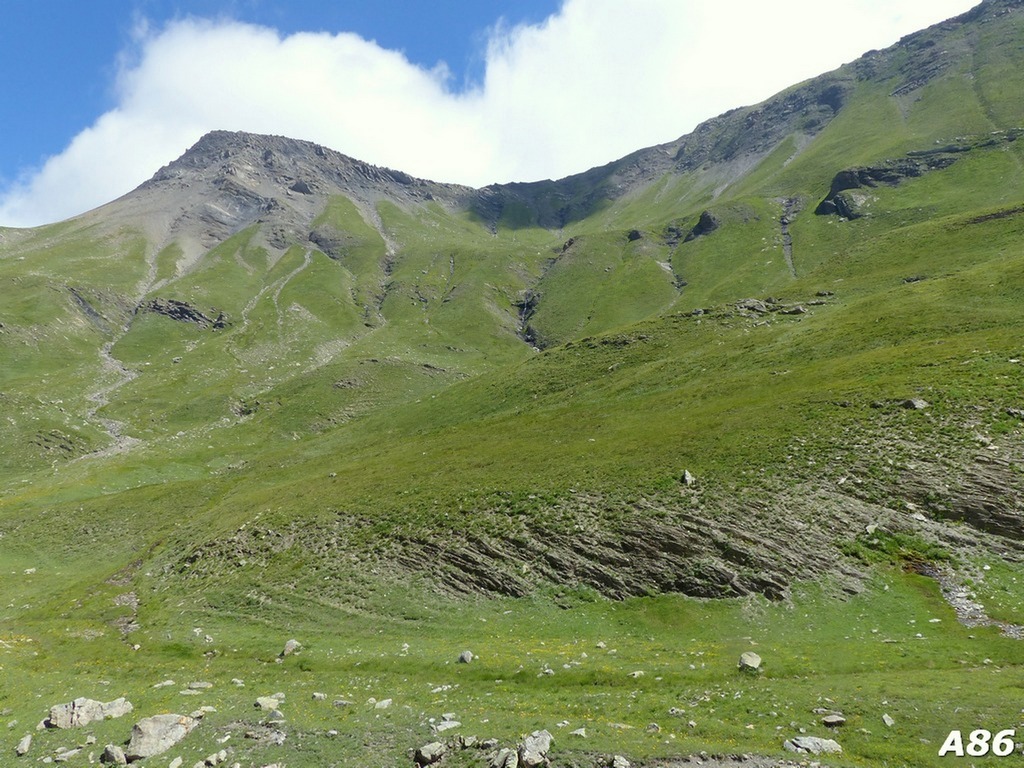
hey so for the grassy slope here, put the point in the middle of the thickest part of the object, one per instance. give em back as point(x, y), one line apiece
point(375, 396)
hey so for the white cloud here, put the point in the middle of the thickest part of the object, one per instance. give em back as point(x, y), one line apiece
point(593, 82)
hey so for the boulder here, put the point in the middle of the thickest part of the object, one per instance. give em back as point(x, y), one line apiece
point(155, 735)
point(534, 749)
point(812, 745)
point(430, 753)
point(113, 755)
point(750, 662)
point(83, 711)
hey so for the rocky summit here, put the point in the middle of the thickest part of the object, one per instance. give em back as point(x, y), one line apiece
point(754, 394)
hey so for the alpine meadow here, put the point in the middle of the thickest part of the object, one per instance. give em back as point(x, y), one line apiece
point(711, 455)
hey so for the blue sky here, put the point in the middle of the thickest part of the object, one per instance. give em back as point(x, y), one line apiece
point(98, 95)
point(59, 57)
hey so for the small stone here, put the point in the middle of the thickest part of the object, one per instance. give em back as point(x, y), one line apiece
point(342, 703)
point(750, 661)
point(581, 732)
point(319, 697)
point(176, 763)
point(292, 646)
point(24, 745)
point(200, 686)
point(688, 479)
point(812, 745)
point(653, 728)
point(618, 761)
point(466, 657)
point(267, 703)
point(889, 722)
point(915, 404)
point(382, 704)
point(833, 721)
point(638, 673)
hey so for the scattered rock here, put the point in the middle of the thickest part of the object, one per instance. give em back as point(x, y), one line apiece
point(382, 704)
point(653, 728)
point(216, 759)
point(200, 686)
point(292, 646)
point(534, 749)
point(24, 745)
point(618, 761)
point(812, 745)
point(341, 703)
point(446, 725)
point(113, 755)
point(889, 722)
point(506, 758)
point(833, 721)
point(706, 224)
point(466, 742)
point(915, 404)
point(750, 662)
point(466, 657)
point(83, 711)
point(688, 479)
point(155, 735)
point(581, 732)
point(319, 697)
point(267, 703)
point(430, 753)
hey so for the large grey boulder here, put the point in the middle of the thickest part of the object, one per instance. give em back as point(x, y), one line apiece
point(155, 735)
point(534, 749)
point(83, 711)
point(812, 745)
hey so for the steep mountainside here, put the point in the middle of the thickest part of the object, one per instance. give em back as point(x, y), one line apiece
point(265, 302)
